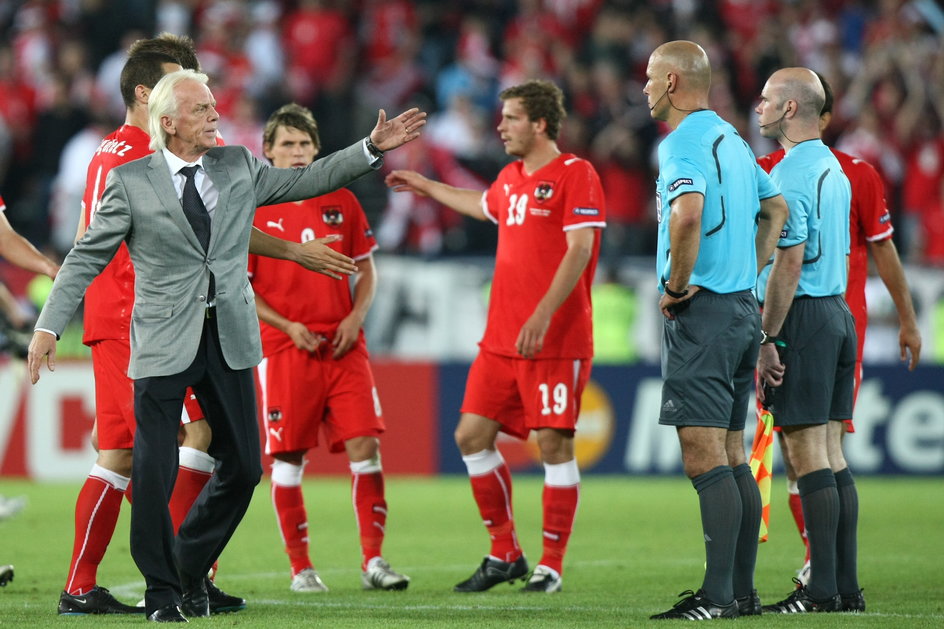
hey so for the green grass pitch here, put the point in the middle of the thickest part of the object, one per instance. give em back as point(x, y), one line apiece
point(637, 543)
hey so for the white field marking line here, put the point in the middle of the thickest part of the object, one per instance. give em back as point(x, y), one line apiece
point(135, 589)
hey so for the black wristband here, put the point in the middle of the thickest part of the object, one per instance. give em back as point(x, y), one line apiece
point(373, 150)
point(671, 293)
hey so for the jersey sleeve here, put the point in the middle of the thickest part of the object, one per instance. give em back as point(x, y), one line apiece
point(493, 200)
point(874, 218)
point(681, 176)
point(796, 229)
point(363, 242)
point(766, 188)
point(584, 205)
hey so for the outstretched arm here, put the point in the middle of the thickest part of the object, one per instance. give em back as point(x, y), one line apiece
point(314, 255)
point(20, 252)
point(893, 276)
point(462, 200)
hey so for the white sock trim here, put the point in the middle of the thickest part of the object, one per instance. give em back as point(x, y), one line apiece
point(197, 460)
point(287, 474)
point(367, 466)
point(483, 462)
point(114, 479)
point(562, 474)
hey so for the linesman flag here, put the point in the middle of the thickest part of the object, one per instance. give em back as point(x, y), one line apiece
point(762, 456)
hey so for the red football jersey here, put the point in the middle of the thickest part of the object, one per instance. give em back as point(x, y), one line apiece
point(533, 212)
point(316, 300)
point(110, 297)
point(869, 221)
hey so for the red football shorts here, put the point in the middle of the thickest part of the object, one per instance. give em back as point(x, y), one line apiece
point(303, 392)
point(523, 394)
point(114, 394)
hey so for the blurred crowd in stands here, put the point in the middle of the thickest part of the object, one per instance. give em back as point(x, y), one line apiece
point(60, 61)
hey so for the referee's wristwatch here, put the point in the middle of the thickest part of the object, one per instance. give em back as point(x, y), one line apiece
point(767, 338)
point(674, 294)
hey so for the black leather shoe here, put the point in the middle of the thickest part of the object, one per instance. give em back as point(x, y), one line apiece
point(220, 601)
point(98, 600)
point(195, 603)
point(168, 613)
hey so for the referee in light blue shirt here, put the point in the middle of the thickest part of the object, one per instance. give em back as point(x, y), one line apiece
point(719, 217)
point(807, 358)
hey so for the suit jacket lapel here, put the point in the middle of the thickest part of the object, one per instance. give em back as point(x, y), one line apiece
point(220, 178)
point(160, 178)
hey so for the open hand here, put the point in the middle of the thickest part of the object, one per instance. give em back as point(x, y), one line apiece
point(316, 255)
point(389, 134)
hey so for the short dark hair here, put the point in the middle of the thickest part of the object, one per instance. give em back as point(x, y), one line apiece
point(541, 99)
point(295, 116)
point(180, 47)
point(142, 69)
point(828, 90)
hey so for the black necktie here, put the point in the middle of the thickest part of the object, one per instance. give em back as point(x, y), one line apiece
point(194, 209)
point(198, 217)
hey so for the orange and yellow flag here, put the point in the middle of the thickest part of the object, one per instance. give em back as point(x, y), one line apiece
point(762, 456)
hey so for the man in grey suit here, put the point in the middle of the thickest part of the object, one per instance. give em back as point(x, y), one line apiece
point(185, 213)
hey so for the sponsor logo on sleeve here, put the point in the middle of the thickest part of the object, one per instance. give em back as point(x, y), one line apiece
point(886, 217)
point(684, 181)
point(587, 211)
point(368, 233)
point(784, 233)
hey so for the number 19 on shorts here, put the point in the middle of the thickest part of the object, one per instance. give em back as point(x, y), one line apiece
point(553, 400)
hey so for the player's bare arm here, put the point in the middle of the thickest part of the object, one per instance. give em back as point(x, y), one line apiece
point(389, 134)
point(462, 200)
point(684, 235)
point(302, 337)
point(773, 215)
point(781, 287)
point(314, 255)
point(579, 251)
point(349, 329)
point(893, 276)
point(19, 251)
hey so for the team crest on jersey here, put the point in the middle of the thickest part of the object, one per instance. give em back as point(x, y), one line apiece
point(275, 414)
point(332, 215)
point(543, 191)
point(675, 185)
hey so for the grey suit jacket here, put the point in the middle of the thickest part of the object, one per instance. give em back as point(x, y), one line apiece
point(140, 206)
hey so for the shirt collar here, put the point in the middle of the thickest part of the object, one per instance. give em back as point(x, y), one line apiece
point(174, 163)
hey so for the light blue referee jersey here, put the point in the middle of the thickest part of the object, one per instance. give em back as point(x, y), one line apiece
point(705, 155)
point(818, 194)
